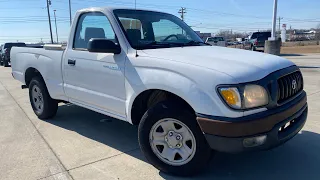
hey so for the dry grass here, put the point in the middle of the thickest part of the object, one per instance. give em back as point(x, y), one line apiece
point(299, 43)
point(292, 49)
point(300, 49)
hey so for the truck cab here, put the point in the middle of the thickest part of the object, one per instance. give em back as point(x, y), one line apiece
point(151, 69)
point(257, 40)
point(216, 41)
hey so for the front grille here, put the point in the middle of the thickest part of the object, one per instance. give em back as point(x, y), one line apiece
point(289, 86)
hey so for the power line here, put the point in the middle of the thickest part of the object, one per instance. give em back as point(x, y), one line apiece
point(165, 6)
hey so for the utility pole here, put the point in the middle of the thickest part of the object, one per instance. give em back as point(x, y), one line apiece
point(48, 4)
point(70, 11)
point(273, 46)
point(274, 19)
point(231, 33)
point(55, 21)
point(182, 11)
point(280, 23)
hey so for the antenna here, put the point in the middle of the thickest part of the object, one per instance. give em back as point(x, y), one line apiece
point(135, 8)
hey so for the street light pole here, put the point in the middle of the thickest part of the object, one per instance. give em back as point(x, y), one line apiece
point(274, 20)
point(70, 12)
point(55, 21)
point(48, 4)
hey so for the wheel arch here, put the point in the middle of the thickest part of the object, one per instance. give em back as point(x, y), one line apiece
point(30, 73)
point(147, 98)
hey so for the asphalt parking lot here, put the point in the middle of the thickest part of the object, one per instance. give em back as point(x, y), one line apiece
point(81, 144)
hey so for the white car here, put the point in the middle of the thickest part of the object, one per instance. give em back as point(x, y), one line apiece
point(216, 41)
point(151, 69)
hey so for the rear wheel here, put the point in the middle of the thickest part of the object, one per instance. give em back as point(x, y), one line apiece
point(172, 141)
point(42, 104)
point(6, 63)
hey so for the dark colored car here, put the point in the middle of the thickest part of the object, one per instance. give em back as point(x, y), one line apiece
point(257, 40)
point(5, 52)
point(1, 53)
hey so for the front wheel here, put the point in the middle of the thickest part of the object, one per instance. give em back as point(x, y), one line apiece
point(172, 141)
point(42, 104)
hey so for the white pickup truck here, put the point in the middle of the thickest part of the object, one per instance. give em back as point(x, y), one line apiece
point(151, 69)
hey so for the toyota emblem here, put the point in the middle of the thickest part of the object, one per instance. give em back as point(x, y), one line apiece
point(294, 84)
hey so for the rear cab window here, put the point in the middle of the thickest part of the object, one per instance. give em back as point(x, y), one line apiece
point(133, 28)
point(260, 34)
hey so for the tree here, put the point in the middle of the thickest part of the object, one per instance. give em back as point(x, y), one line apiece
point(229, 35)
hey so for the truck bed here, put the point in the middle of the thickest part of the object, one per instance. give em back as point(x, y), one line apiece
point(48, 62)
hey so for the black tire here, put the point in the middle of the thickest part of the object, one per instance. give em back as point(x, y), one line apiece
point(6, 63)
point(167, 109)
point(50, 106)
point(253, 48)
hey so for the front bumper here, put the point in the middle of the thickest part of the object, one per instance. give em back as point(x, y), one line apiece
point(228, 134)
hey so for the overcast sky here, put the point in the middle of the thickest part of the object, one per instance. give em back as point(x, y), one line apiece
point(27, 20)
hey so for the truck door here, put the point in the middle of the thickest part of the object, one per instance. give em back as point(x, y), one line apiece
point(95, 80)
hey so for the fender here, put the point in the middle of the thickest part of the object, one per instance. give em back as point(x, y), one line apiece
point(140, 79)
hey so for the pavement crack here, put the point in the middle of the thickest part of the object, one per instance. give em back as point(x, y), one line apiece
point(313, 93)
point(68, 170)
point(132, 150)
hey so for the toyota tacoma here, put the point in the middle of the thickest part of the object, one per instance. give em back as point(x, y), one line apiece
point(151, 69)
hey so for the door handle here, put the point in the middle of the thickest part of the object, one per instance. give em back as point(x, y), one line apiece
point(71, 62)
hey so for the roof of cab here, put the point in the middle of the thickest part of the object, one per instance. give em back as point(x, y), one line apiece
point(111, 8)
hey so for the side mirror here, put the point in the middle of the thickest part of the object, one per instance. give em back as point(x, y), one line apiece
point(103, 46)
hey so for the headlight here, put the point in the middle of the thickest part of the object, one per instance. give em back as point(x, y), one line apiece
point(231, 96)
point(252, 96)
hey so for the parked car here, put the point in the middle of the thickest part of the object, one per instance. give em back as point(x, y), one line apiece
point(216, 41)
point(1, 54)
point(257, 40)
point(186, 96)
point(5, 60)
point(229, 43)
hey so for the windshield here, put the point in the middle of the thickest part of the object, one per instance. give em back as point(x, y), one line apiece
point(149, 30)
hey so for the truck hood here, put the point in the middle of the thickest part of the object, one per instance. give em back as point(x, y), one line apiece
point(242, 65)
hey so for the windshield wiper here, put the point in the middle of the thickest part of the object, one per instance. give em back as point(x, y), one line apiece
point(192, 42)
point(162, 44)
point(154, 44)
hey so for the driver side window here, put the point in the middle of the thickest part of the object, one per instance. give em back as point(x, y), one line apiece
point(92, 25)
point(165, 28)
